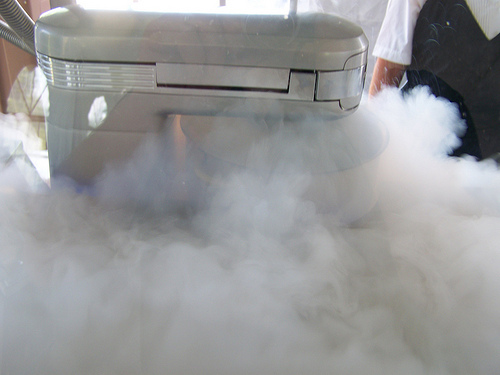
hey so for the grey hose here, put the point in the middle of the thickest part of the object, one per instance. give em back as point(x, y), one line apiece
point(10, 36)
point(19, 21)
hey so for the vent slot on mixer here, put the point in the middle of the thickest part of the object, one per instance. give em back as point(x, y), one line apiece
point(216, 77)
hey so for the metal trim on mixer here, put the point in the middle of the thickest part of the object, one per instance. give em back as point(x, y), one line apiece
point(97, 76)
point(208, 80)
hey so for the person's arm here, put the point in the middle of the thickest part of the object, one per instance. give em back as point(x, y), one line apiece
point(386, 73)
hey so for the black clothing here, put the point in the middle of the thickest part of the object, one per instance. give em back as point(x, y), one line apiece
point(456, 60)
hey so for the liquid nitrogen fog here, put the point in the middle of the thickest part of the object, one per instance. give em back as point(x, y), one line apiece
point(261, 281)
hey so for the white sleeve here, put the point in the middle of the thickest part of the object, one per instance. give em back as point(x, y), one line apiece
point(394, 42)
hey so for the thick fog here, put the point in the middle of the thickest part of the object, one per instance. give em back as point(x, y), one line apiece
point(131, 277)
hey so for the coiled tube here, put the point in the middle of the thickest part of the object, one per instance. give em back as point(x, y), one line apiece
point(18, 21)
point(10, 36)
